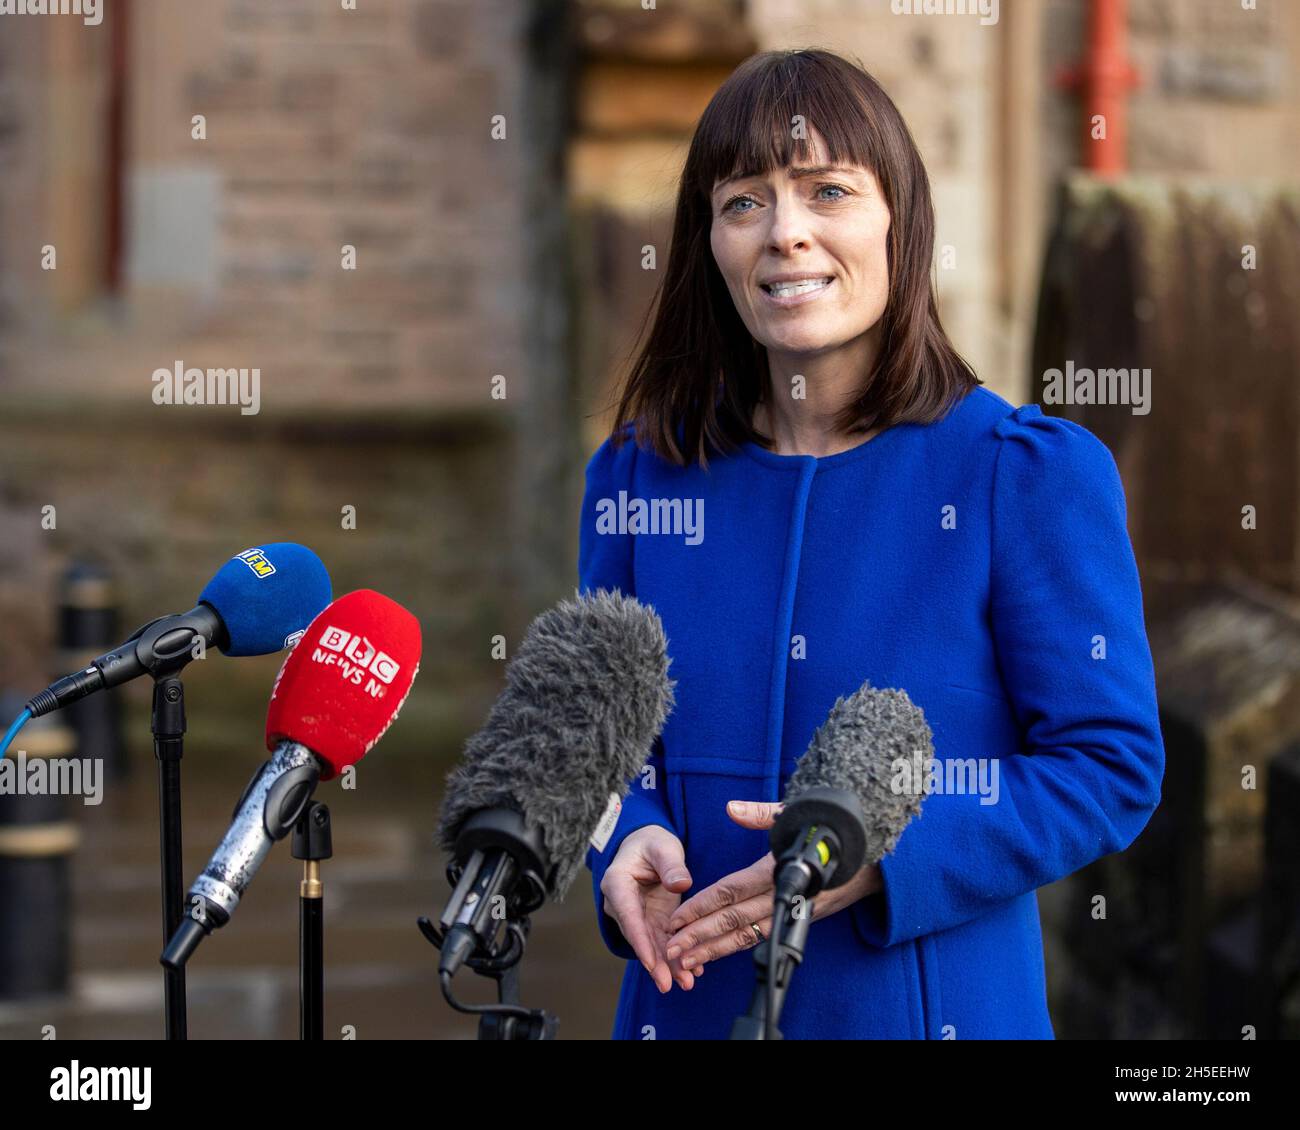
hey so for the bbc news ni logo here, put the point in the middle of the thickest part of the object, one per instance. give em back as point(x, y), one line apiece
point(354, 655)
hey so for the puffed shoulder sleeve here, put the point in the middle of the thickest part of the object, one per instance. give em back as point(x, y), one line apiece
point(605, 561)
point(1069, 633)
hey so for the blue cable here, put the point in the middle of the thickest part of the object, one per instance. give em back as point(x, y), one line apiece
point(19, 723)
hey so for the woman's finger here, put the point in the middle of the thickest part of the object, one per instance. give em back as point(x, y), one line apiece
point(668, 858)
point(730, 920)
point(659, 904)
point(757, 814)
point(624, 903)
point(727, 891)
point(733, 942)
point(684, 977)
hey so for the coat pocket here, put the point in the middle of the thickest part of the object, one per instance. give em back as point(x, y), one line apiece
point(926, 952)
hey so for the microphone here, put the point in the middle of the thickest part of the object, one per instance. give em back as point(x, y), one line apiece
point(584, 700)
point(257, 603)
point(335, 696)
point(841, 811)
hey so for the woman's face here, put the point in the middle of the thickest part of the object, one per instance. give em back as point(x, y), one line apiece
point(805, 222)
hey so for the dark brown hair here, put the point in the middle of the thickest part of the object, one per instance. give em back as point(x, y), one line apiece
point(696, 382)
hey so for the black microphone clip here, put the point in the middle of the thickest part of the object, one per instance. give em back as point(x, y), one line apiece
point(819, 841)
point(161, 648)
point(500, 874)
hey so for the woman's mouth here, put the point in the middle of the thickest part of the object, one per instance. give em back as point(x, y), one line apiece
point(795, 293)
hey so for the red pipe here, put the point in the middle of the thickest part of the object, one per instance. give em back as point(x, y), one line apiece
point(1106, 76)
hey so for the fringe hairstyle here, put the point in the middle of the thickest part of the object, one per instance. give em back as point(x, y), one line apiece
point(695, 383)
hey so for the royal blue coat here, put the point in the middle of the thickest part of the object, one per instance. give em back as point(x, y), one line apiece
point(982, 564)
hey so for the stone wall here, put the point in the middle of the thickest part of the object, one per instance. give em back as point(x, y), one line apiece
point(323, 128)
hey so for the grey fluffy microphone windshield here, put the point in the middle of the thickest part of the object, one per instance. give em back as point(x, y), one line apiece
point(857, 752)
point(585, 697)
point(843, 808)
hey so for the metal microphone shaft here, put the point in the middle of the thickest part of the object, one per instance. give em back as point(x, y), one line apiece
point(267, 812)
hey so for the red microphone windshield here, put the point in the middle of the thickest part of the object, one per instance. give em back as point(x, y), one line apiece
point(344, 682)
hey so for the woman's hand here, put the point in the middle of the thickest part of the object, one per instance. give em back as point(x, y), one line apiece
point(720, 919)
point(642, 887)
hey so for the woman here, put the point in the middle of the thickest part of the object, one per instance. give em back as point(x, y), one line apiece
point(873, 515)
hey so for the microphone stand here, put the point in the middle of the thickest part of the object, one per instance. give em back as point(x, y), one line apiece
point(499, 863)
point(162, 648)
point(312, 842)
point(168, 725)
point(792, 933)
point(508, 1019)
point(819, 840)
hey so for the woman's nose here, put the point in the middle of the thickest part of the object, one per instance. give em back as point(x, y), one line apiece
point(790, 227)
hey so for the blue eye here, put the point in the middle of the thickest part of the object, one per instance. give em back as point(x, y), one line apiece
point(727, 207)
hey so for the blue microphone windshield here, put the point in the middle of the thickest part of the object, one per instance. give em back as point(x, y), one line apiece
point(267, 595)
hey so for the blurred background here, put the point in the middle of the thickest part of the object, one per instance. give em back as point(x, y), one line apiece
point(428, 224)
